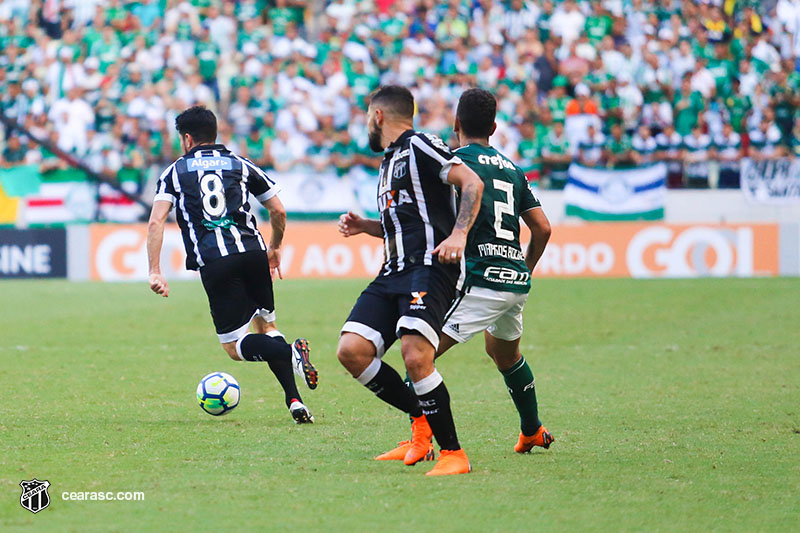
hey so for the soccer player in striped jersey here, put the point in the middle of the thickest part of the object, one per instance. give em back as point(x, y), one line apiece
point(497, 279)
point(424, 236)
point(210, 187)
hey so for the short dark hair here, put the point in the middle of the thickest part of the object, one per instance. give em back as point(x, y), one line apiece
point(395, 99)
point(198, 122)
point(477, 109)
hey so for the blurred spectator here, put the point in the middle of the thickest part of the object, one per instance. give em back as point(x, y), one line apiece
point(529, 154)
point(556, 154)
point(669, 145)
point(697, 153)
point(765, 141)
point(618, 150)
point(14, 153)
point(728, 146)
point(590, 150)
point(645, 146)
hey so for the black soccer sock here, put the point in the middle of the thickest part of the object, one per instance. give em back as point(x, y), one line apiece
point(410, 385)
point(278, 357)
point(258, 347)
point(387, 385)
point(435, 402)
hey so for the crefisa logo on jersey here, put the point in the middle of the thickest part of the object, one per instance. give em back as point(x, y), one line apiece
point(34, 495)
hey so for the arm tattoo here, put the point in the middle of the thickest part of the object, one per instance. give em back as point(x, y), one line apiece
point(470, 204)
point(278, 222)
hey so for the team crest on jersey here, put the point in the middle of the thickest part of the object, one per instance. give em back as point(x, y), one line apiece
point(399, 170)
point(34, 496)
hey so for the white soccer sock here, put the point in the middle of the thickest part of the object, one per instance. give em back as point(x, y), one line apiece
point(425, 385)
point(370, 372)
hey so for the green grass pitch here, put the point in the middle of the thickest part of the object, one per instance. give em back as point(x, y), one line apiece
point(675, 405)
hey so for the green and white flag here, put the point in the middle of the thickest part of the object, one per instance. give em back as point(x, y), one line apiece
point(605, 194)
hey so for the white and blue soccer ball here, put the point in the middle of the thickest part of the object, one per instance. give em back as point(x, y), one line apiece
point(218, 393)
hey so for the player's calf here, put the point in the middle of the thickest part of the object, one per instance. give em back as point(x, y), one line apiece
point(230, 349)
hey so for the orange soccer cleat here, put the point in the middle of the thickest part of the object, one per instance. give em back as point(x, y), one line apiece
point(451, 462)
point(421, 445)
point(542, 438)
point(396, 454)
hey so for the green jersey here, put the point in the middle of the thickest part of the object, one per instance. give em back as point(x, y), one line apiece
point(597, 27)
point(494, 257)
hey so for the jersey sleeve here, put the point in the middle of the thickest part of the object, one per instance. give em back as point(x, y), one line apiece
point(527, 200)
point(165, 190)
point(258, 183)
point(437, 156)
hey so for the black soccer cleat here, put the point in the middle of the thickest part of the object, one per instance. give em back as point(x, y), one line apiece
point(300, 413)
point(302, 364)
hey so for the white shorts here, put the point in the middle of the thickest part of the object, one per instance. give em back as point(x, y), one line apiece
point(480, 309)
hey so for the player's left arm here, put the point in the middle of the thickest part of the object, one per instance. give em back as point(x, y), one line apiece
point(451, 250)
point(155, 238)
point(266, 192)
point(537, 222)
point(277, 220)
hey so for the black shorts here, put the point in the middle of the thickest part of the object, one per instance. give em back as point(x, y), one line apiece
point(415, 300)
point(238, 286)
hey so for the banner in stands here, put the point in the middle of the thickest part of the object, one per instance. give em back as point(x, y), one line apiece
point(314, 193)
point(61, 196)
point(771, 182)
point(603, 194)
point(39, 253)
point(661, 251)
point(311, 250)
point(316, 250)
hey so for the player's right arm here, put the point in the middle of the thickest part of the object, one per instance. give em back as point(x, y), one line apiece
point(540, 233)
point(155, 238)
point(163, 201)
point(352, 224)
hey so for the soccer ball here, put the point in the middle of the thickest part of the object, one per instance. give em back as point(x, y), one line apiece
point(218, 393)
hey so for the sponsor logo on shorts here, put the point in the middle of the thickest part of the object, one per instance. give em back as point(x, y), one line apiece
point(416, 300)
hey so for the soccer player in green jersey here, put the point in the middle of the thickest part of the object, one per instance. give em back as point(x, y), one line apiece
point(498, 275)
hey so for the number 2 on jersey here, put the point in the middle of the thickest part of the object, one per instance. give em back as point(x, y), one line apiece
point(501, 208)
point(213, 195)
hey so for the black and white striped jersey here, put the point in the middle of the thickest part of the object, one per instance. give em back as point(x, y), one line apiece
point(417, 204)
point(210, 186)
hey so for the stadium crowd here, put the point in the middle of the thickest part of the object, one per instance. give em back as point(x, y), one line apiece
point(612, 83)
